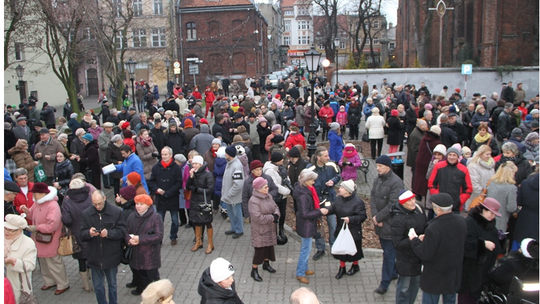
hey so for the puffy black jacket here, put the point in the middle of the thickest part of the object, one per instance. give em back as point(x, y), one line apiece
point(170, 180)
point(448, 138)
point(354, 114)
point(504, 126)
point(384, 194)
point(524, 168)
point(147, 254)
point(176, 141)
point(212, 293)
point(202, 187)
point(407, 263)
point(353, 208)
point(103, 253)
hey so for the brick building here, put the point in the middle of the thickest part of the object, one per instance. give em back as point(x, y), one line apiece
point(490, 32)
point(229, 36)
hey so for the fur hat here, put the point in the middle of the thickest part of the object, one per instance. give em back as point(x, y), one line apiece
point(39, 188)
point(76, 184)
point(15, 222)
point(220, 270)
point(436, 129)
point(157, 292)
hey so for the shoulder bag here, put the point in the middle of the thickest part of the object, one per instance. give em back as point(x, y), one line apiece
point(44, 238)
point(26, 297)
point(480, 198)
point(68, 244)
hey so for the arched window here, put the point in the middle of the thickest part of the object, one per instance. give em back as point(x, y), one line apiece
point(191, 29)
point(239, 63)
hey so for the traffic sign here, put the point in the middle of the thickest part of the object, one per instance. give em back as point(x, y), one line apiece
point(466, 69)
point(176, 71)
point(193, 69)
point(176, 64)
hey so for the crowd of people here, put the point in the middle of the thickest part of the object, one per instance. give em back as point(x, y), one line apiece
point(473, 196)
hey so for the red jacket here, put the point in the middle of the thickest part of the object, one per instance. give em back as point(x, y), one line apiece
point(28, 201)
point(295, 139)
point(452, 179)
point(326, 111)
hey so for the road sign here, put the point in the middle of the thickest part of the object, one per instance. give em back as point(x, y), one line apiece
point(176, 64)
point(466, 69)
point(176, 71)
point(193, 69)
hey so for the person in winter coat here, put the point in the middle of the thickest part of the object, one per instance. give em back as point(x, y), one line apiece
point(175, 139)
point(201, 185)
point(354, 114)
point(527, 221)
point(210, 155)
point(114, 156)
point(89, 160)
point(19, 153)
point(256, 168)
point(480, 116)
point(264, 214)
point(47, 115)
point(511, 153)
point(77, 200)
point(46, 219)
point(132, 163)
point(264, 130)
point(481, 169)
point(307, 214)
point(202, 142)
point(326, 115)
point(295, 137)
point(531, 144)
point(395, 127)
point(375, 125)
point(349, 163)
point(144, 234)
point(103, 230)
point(165, 183)
point(483, 137)
point(300, 114)
point(503, 189)
point(296, 164)
point(481, 249)
point(441, 250)
point(189, 131)
point(147, 152)
point(45, 150)
point(220, 164)
point(335, 137)
point(94, 129)
point(385, 192)
point(216, 284)
point(63, 173)
point(425, 152)
point(351, 210)
point(504, 123)
point(406, 215)
point(19, 257)
point(341, 119)
point(275, 170)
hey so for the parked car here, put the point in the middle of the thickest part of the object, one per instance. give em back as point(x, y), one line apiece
point(273, 80)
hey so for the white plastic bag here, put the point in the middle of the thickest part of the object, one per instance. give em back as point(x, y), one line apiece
point(344, 243)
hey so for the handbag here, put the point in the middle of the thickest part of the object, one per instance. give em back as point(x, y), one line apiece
point(344, 244)
point(26, 297)
point(365, 137)
point(480, 198)
point(88, 175)
point(205, 207)
point(127, 251)
point(68, 244)
point(44, 238)
point(39, 173)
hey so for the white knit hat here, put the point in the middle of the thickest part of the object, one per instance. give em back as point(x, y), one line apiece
point(220, 270)
point(440, 148)
point(349, 185)
point(197, 159)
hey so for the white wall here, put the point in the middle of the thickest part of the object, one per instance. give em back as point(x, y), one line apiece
point(482, 80)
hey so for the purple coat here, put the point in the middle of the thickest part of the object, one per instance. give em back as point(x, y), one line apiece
point(147, 254)
point(349, 172)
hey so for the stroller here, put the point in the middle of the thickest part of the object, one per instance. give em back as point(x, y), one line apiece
point(519, 293)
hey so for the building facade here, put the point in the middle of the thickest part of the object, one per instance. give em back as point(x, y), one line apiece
point(297, 28)
point(272, 13)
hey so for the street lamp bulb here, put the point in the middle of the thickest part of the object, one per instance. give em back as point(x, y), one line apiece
point(326, 63)
point(255, 31)
point(20, 71)
point(167, 63)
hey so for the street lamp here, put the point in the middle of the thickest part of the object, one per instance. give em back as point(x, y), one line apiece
point(312, 63)
point(20, 73)
point(167, 65)
point(336, 45)
point(130, 66)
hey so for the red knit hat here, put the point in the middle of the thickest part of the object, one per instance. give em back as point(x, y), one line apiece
point(144, 198)
point(134, 178)
point(125, 125)
point(204, 121)
point(255, 164)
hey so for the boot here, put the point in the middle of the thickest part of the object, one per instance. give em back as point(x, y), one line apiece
point(354, 269)
point(341, 272)
point(85, 276)
point(255, 274)
point(198, 242)
point(210, 248)
point(267, 267)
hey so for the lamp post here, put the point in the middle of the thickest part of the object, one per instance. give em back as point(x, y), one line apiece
point(20, 73)
point(167, 65)
point(336, 48)
point(130, 66)
point(312, 63)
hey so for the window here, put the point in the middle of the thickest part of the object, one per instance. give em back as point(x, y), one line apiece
point(88, 34)
point(19, 51)
point(158, 7)
point(118, 41)
point(191, 31)
point(289, 13)
point(303, 11)
point(367, 41)
point(287, 26)
point(376, 40)
point(392, 45)
point(139, 38)
point(342, 45)
point(304, 40)
point(158, 38)
point(376, 24)
point(303, 25)
point(286, 40)
point(117, 8)
point(137, 8)
point(321, 46)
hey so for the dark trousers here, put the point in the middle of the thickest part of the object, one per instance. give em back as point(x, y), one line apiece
point(116, 185)
point(376, 151)
point(256, 151)
point(106, 180)
point(353, 131)
point(143, 278)
point(282, 205)
point(325, 133)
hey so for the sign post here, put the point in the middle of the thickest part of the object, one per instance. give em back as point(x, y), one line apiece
point(466, 69)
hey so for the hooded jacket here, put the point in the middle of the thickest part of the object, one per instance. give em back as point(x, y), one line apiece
point(212, 293)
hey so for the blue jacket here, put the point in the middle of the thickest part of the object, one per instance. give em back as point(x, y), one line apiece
point(367, 109)
point(219, 170)
point(132, 164)
point(336, 145)
point(7, 177)
point(330, 171)
point(334, 105)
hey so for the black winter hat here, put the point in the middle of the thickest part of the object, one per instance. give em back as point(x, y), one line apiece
point(276, 157)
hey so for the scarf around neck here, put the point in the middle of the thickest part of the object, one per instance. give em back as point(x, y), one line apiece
point(316, 200)
point(482, 139)
point(165, 165)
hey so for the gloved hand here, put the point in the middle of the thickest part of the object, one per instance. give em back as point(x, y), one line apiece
point(276, 218)
point(31, 228)
point(155, 154)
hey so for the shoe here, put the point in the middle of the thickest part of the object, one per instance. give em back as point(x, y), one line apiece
point(237, 235)
point(318, 255)
point(354, 269)
point(181, 224)
point(229, 232)
point(255, 275)
point(131, 285)
point(45, 287)
point(303, 280)
point(135, 292)
point(60, 291)
point(174, 242)
point(188, 225)
point(341, 272)
point(310, 272)
point(267, 267)
point(380, 290)
point(198, 242)
point(85, 277)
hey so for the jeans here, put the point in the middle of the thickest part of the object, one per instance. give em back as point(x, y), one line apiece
point(319, 241)
point(407, 289)
point(429, 298)
point(303, 259)
point(174, 223)
point(389, 262)
point(235, 215)
point(98, 276)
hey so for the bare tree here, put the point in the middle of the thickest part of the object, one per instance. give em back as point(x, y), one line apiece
point(15, 12)
point(359, 25)
point(422, 33)
point(328, 32)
